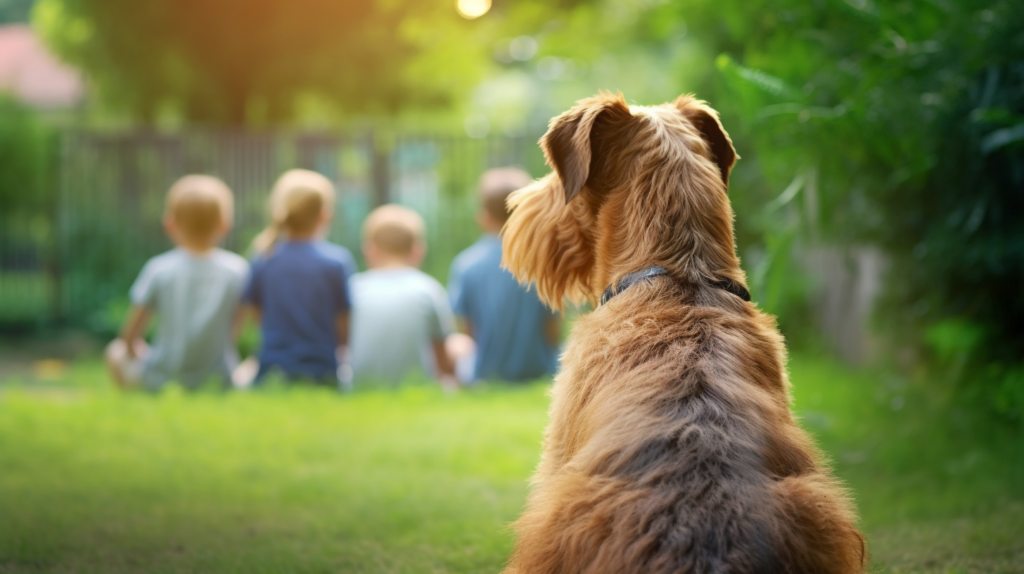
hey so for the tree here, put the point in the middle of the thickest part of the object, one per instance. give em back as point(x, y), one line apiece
point(239, 61)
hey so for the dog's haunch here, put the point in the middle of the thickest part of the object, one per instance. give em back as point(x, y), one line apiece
point(671, 446)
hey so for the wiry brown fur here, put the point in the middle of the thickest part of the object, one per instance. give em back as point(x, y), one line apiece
point(671, 447)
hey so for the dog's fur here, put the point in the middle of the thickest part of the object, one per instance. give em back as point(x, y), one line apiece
point(671, 446)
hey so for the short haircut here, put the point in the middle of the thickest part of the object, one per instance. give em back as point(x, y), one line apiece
point(200, 206)
point(394, 229)
point(495, 187)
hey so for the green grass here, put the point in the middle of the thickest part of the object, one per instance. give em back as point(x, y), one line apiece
point(302, 480)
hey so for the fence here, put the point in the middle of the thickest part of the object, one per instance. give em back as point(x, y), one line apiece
point(74, 261)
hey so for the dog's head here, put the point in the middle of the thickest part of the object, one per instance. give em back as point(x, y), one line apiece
point(631, 187)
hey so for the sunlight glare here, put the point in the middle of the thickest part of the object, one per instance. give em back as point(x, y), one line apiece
point(471, 9)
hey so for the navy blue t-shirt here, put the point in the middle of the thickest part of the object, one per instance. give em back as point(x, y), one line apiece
point(300, 288)
point(509, 321)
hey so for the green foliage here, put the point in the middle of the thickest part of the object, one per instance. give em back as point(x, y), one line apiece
point(911, 114)
point(234, 62)
point(25, 159)
point(305, 480)
point(26, 208)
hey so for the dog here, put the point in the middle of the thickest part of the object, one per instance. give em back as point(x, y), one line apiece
point(671, 447)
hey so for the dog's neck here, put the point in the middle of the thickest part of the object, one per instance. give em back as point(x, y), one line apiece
point(628, 281)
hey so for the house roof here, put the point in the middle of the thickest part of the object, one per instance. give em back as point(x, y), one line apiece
point(30, 72)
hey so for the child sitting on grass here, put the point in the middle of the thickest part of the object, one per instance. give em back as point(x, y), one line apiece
point(516, 336)
point(194, 289)
point(400, 317)
point(298, 289)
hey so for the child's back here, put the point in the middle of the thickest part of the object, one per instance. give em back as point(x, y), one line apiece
point(397, 313)
point(300, 288)
point(400, 316)
point(194, 291)
point(509, 324)
point(299, 282)
point(195, 297)
point(516, 335)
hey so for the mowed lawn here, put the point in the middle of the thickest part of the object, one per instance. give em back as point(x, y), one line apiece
point(414, 480)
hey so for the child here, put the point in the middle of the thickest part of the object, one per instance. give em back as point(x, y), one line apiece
point(298, 289)
point(401, 317)
point(194, 289)
point(516, 336)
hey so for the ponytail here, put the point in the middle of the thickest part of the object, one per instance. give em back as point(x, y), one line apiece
point(264, 243)
point(296, 203)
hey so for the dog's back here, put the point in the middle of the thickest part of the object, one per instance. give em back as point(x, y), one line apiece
point(676, 457)
point(671, 446)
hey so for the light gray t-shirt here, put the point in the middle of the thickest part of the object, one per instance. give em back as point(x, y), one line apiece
point(396, 315)
point(194, 298)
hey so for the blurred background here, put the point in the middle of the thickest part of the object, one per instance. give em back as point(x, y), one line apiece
point(879, 200)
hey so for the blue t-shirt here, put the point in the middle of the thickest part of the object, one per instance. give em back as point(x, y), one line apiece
point(300, 288)
point(509, 322)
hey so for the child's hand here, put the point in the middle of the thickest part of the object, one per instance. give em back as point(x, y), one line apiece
point(449, 383)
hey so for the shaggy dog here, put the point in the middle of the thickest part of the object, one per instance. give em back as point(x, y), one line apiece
point(671, 446)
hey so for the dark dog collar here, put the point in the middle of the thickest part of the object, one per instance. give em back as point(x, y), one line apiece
point(655, 270)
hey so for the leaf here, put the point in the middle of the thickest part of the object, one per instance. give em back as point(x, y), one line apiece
point(1001, 138)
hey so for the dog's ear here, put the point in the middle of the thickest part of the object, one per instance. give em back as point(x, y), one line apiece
point(569, 143)
point(706, 121)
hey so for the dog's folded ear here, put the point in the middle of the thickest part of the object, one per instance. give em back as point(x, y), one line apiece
point(706, 121)
point(568, 144)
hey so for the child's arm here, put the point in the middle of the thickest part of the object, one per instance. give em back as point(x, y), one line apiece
point(134, 327)
point(445, 365)
point(465, 326)
point(341, 327)
point(245, 310)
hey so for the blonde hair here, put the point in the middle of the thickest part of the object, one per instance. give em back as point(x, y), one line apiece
point(200, 206)
point(394, 229)
point(495, 187)
point(297, 203)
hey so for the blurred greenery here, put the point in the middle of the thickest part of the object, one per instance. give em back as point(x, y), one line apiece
point(233, 62)
point(26, 215)
point(910, 116)
point(415, 480)
point(26, 156)
point(895, 125)
point(15, 11)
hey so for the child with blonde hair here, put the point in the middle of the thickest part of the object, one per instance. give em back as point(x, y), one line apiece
point(194, 289)
point(401, 318)
point(298, 288)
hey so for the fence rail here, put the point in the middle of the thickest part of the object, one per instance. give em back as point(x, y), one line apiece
point(74, 261)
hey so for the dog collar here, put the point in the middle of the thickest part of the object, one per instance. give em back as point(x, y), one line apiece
point(654, 271)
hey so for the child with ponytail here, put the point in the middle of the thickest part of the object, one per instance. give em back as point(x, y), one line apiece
point(298, 288)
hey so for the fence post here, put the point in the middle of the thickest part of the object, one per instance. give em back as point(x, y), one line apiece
point(381, 169)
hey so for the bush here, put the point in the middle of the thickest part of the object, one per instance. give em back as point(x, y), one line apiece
point(910, 118)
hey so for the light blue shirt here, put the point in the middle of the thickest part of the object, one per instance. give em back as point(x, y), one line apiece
point(509, 322)
point(397, 315)
point(195, 298)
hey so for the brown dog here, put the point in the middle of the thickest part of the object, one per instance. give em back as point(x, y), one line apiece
point(671, 446)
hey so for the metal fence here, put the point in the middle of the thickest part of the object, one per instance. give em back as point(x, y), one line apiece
point(74, 261)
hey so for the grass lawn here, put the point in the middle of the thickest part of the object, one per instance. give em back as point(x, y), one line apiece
point(301, 480)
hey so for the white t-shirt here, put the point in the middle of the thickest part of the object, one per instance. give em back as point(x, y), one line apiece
point(194, 298)
point(397, 313)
